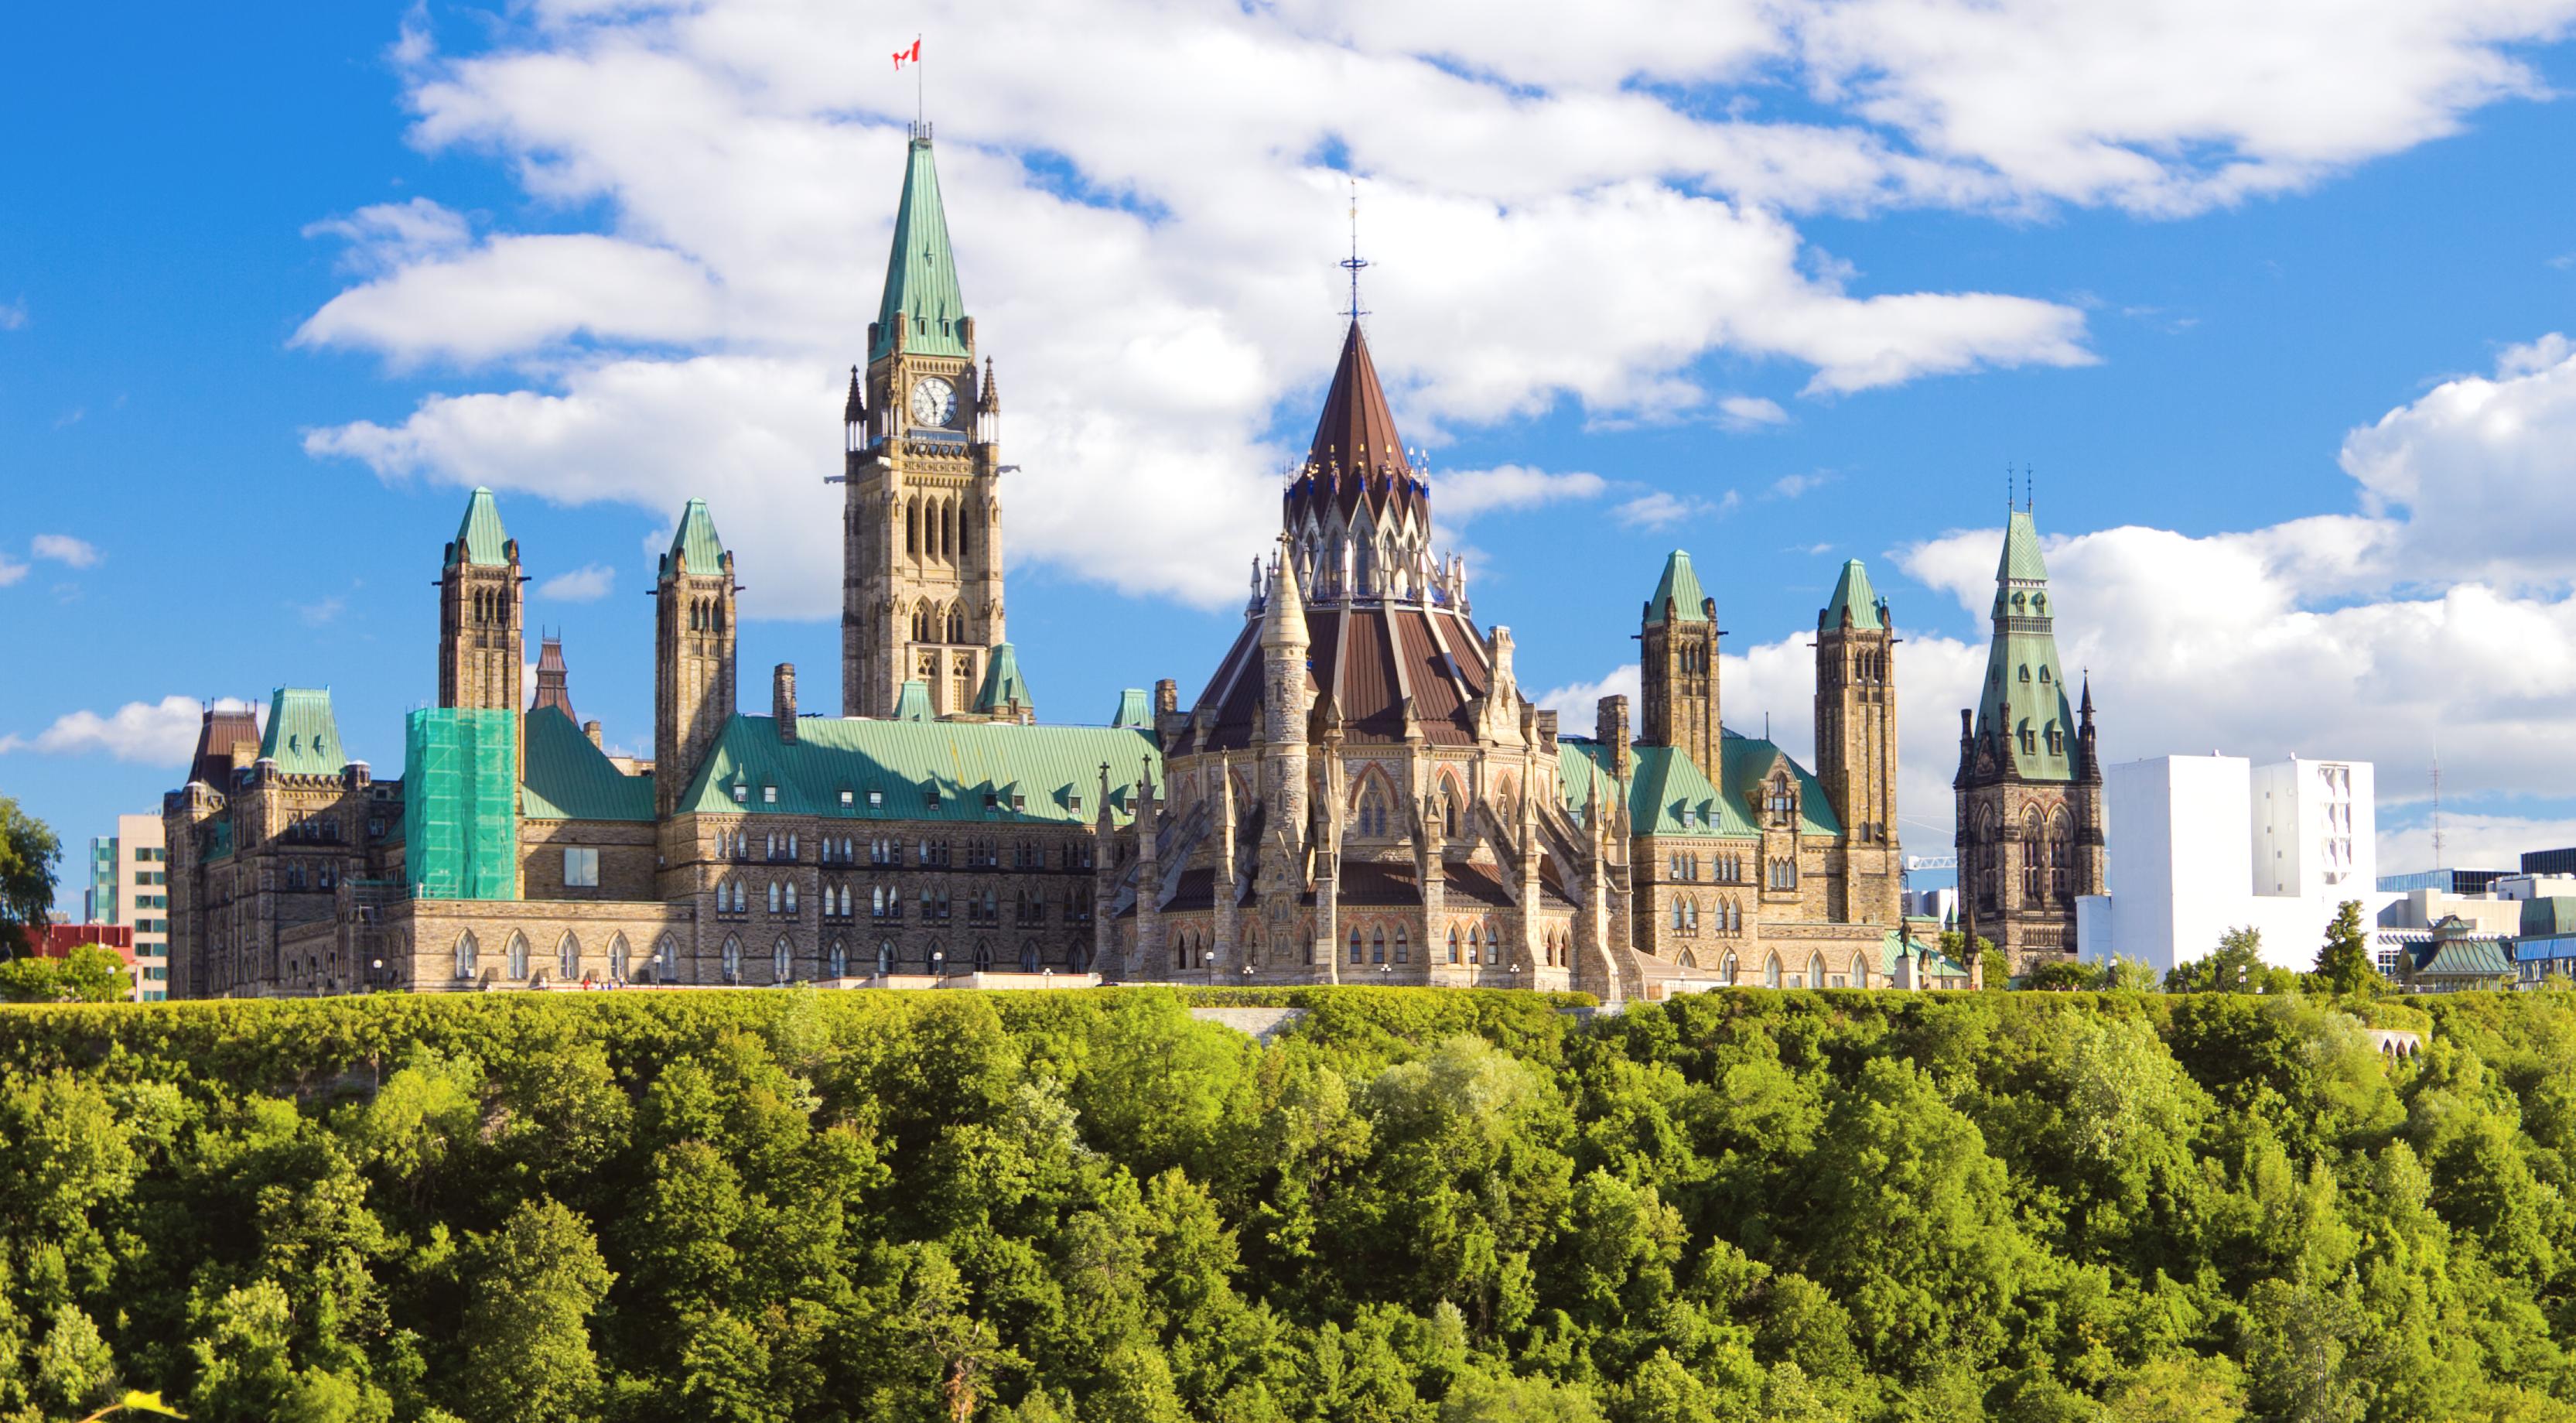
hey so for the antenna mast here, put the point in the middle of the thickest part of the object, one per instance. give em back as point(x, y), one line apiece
point(1353, 264)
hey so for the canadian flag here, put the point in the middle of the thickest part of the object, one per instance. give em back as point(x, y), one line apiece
point(911, 55)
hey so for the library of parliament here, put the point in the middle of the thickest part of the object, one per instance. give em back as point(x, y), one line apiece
point(1360, 790)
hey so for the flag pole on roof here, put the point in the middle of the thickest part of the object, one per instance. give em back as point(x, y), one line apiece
point(911, 54)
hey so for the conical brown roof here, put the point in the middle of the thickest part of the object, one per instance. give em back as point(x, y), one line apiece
point(1356, 453)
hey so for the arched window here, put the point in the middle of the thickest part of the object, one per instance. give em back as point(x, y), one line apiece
point(912, 532)
point(1355, 944)
point(469, 955)
point(791, 896)
point(1693, 906)
point(782, 961)
point(840, 959)
point(1377, 947)
point(1403, 949)
point(885, 957)
point(1077, 956)
point(1448, 808)
point(666, 960)
point(1780, 803)
point(956, 624)
point(617, 957)
point(1727, 968)
point(568, 958)
point(773, 896)
point(1372, 815)
point(1453, 943)
point(1859, 971)
point(1771, 972)
point(732, 959)
point(2034, 854)
point(1029, 956)
point(983, 957)
point(2061, 855)
point(2029, 741)
point(1677, 915)
point(920, 623)
point(518, 955)
point(1816, 971)
point(1475, 943)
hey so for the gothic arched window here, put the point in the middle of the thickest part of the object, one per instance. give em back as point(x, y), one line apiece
point(840, 959)
point(617, 958)
point(782, 961)
point(518, 956)
point(1816, 971)
point(956, 624)
point(568, 958)
point(732, 959)
point(1403, 947)
point(1377, 947)
point(1771, 972)
point(469, 955)
point(1355, 944)
point(1453, 943)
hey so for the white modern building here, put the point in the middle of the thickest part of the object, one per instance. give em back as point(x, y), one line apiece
point(2200, 845)
point(130, 885)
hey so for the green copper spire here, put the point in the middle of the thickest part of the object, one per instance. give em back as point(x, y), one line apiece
point(921, 272)
point(2023, 706)
point(479, 539)
point(1681, 586)
point(696, 541)
point(1868, 610)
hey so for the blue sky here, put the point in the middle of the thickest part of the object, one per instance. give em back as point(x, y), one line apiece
point(2271, 316)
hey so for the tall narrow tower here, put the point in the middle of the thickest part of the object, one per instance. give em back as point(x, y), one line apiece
point(693, 641)
point(1856, 707)
point(2029, 789)
point(480, 606)
point(1856, 742)
point(1677, 660)
point(922, 526)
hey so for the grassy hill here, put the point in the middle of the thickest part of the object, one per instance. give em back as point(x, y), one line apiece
point(1413, 1204)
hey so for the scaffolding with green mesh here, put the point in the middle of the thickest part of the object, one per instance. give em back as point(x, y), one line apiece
point(461, 803)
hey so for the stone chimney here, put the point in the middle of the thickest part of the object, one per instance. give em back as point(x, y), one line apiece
point(782, 701)
point(1547, 731)
point(1167, 696)
point(1611, 730)
point(591, 730)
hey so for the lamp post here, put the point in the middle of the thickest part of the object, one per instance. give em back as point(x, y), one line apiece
point(1207, 961)
point(939, 968)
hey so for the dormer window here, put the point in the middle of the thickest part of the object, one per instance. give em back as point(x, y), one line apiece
point(846, 799)
point(741, 794)
point(769, 795)
point(876, 800)
point(2025, 674)
point(2043, 676)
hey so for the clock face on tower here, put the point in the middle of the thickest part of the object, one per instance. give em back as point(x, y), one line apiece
point(934, 401)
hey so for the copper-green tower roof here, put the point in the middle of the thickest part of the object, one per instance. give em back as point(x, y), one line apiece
point(696, 540)
point(2024, 703)
point(479, 539)
point(302, 735)
point(1681, 586)
point(921, 272)
point(1852, 592)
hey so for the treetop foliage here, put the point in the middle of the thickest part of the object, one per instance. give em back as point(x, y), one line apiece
point(1419, 1205)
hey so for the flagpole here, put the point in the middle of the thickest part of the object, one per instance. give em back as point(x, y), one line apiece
point(920, 103)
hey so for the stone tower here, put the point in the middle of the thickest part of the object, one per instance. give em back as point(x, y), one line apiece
point(2029, 787)
point(1856, 742)
point(921, 578)
point(693, 639)
point(480, 607)
point(1677, 663)
point(1284, 709)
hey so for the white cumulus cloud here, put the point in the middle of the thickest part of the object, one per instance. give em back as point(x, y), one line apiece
point(64, 549)
point(587, 584)
point(151, 733)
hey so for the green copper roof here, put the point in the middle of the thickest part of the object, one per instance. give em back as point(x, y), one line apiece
point(912, 702)
point(480, 540)
point(1004, 689)
point(1135, 710)
point(2021, 561)
point(1668, 794)
point(566, 778)
point(1853, 592)
point(1680, 585)
point(1934, 964)
point(302, 736)
point(2025, 697)
point(921, 770)
point(696, 541)
point(921, 272)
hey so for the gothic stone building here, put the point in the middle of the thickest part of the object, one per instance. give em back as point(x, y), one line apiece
point(2029, 784)
point(1362, 793)
point(932, 829)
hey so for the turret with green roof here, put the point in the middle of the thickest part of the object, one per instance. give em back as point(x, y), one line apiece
point(480, 540)
point(1679, 587)
point(1854, 599)
point(480, 607)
